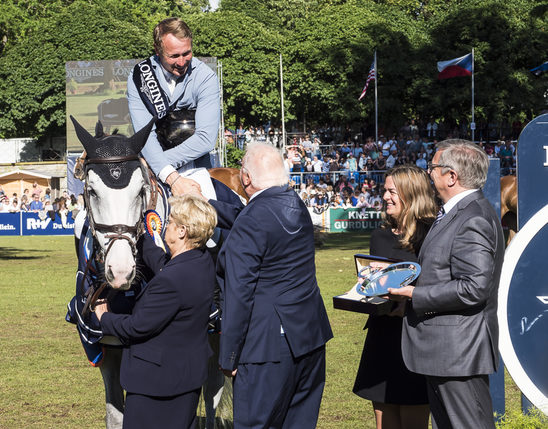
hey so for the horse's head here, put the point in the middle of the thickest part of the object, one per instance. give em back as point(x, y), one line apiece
point(116, 193)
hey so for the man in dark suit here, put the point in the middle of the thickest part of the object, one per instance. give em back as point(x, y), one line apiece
point(451, 333)
point(274, 323)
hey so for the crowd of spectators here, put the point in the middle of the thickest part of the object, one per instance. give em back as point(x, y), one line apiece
point(324, 172)
point(344, 193)
point(241, 136)
point(349, 174)
point(425, 129)
point(41, 201)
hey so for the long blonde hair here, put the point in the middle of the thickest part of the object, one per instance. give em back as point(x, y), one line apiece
point(419, 207)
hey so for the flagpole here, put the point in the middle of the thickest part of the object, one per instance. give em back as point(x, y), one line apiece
point(376, 113)
point(473, 124)
point(222, 122)
point(282, 102)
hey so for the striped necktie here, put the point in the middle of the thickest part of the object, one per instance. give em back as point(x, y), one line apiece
point(440, 215)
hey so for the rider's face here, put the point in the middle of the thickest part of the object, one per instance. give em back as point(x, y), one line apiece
point(176, 54)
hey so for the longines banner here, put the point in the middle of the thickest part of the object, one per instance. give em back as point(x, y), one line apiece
point(32, 223)
point(96, 91)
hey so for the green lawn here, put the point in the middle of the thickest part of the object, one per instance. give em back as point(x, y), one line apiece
point(46, 381)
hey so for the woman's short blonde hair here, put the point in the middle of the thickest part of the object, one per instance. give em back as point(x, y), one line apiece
point(199, 217)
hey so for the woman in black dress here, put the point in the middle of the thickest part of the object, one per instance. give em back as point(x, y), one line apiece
point(398, 395)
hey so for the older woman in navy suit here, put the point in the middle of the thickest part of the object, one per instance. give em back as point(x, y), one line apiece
point(165, 364)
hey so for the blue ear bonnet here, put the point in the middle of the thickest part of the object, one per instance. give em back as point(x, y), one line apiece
point(115, 175)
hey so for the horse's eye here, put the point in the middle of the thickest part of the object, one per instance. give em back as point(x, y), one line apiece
point(92, 193)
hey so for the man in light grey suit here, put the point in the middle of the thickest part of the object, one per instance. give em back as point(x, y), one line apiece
point(450, 332)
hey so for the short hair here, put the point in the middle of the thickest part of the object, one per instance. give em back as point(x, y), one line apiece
point(418, 205)
point(175, 26)
point(265, 166)
point(467, 159)
point(199, 217)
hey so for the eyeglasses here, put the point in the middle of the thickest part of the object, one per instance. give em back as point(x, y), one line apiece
point(432, 166)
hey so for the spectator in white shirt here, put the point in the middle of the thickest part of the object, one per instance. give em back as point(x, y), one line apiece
point(391, 160)
point(317, 164)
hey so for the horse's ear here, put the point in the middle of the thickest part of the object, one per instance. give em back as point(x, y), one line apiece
point(85, 138)
point(99, 130)
point(138, 140)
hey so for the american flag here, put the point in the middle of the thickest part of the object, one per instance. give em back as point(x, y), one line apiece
point(371, 76)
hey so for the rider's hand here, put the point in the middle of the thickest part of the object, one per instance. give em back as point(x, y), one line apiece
point(181, 185)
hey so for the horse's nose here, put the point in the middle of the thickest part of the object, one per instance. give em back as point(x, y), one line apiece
point(115, 277)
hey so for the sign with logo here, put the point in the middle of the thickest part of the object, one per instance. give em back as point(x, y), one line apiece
point(523, 290)
point(32, 223)
point(345, 220)
point(10, 224)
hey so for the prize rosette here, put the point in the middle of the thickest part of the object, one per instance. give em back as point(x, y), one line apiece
point(153, 227)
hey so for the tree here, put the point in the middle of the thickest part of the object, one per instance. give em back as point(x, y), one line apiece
point(249, 53)
point(508, 41)
point(327, 48)
point(330, 55)
point(18, 16)
point(279, 15)
point(32, 71)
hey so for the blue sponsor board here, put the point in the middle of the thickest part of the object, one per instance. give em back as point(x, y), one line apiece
point(523, 291)
point(32, 223)
point(10, 223)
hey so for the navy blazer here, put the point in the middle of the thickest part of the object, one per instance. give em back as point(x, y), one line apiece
point(167, 330)
point(267, 275)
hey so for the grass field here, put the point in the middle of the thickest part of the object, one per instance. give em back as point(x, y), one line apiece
point(46, 381)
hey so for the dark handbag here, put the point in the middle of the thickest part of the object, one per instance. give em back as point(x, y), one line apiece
point(175, 127)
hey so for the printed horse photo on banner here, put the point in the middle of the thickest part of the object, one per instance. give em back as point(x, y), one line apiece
point(123, 201)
